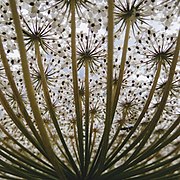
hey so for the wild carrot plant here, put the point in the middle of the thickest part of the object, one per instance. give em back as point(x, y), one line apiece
point(89, 90)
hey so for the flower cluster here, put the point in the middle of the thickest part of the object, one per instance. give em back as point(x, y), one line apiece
point(89, 89)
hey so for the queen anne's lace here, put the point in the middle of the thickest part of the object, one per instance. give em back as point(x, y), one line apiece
point(49, 24)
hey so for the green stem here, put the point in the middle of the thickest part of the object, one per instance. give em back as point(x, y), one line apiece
point(87, 153)
point(75, 152)
point(75, 85)
point(76, 141)
point(56, 143)
point(159, 144)
point(162, 103)
point(14, 170)
point(122, 66)
point(93, 143)
point(105, 138)
point(50, 105)
point(18, 97)
point(136, 124)
point(25, 162)
point(22, 147)
point(90, 134)
point(125, 112)
point(17, 121)
point(115, 95)
point(162, 172)
point(144, 136)
point(30, 93)
point(148, 168)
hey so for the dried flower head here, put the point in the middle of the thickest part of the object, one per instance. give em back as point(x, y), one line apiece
point(158, 49)
point(64, 5)
point(135, 11)
point(40, 30)
point(50, 74)
point(90, 49)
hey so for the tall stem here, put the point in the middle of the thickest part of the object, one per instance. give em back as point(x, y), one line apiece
point(122, 66)
point(18, 97)
point(125, 112)
point(91, 142)
point(30, 92)
point(75, 85)
point(144, 136)
point(138, 120)
point(105, 138)
point(87, 153)
point(50, 105)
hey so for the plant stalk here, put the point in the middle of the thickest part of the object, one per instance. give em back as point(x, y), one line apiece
point(31, 95)
point(75, 85)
